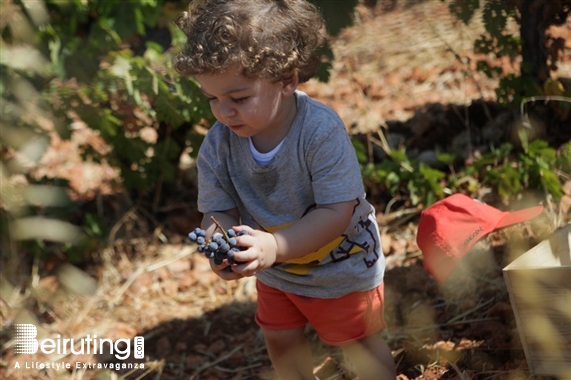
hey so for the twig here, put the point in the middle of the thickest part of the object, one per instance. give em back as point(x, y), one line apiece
point(219, 226)
point(165, 262)
point(467, 71)
point(466, 321)
point(399, 218)
point(205, 353)
point(150, 366)
point(140, 270)
point(119, 223)
point(479, 306)
point(158, 224)
point(239, 369)
point(499, 374)
point(148, 268)
point(466, 121)
point(160, 179)
point(461, 374)
point(397, 353)
point(212, 364)
point(545, 98)
point(383, 143)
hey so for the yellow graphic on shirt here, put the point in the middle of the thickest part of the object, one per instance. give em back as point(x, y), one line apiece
point(302, 265)
point(300, 270)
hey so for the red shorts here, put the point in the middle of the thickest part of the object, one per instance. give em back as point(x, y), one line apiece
point(338, 321)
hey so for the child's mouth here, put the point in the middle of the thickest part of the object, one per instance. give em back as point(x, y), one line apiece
point(236, 127)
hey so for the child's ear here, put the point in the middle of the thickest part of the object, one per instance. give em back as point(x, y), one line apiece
point(290, 84)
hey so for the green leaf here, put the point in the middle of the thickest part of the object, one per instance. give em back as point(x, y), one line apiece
point(464, 9)
point(495, 16)
point(551, 183)
point(167, 111)
point(445, 158)
point(121, 67)
point(337, 14)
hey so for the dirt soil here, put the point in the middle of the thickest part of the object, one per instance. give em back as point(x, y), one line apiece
point(394, 66)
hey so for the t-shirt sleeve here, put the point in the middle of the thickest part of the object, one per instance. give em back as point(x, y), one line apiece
point(335, 171)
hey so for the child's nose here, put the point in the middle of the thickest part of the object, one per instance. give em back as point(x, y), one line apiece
point(227, 110)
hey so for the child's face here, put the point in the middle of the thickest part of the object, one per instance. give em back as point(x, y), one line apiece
point(250, 106)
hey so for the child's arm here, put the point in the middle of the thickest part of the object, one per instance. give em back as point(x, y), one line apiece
point(313, 231)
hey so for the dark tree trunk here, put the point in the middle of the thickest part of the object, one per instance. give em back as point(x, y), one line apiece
point(532, 32)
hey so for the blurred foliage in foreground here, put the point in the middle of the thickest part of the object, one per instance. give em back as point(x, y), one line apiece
point(108, 66)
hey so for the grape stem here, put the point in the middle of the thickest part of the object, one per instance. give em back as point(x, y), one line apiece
point(219, 226)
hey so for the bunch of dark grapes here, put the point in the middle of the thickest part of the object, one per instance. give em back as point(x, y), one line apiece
point(220, 247)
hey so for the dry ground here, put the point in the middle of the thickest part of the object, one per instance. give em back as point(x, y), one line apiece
point(389, 65)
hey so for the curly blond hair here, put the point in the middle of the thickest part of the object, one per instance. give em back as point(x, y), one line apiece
point(267, 38)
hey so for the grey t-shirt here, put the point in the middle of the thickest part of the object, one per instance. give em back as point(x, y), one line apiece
point(315, 165)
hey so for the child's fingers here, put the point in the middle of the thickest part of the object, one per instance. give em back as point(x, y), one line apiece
point(246, 269)
point(246, 255)
point(224, 271)
point(249, 230)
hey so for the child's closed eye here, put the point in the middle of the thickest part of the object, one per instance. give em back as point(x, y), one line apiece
point(234, 100)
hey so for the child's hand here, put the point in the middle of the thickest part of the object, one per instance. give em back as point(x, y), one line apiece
point(225, 271)
point(260, 253)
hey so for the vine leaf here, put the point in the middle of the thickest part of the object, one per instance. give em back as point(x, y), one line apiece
point(464, 9)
